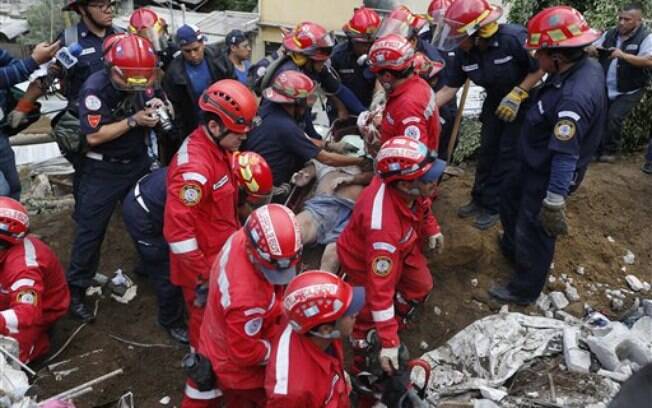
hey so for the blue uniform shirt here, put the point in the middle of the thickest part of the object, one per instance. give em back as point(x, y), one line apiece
point(153, 190)
point(357, 78)
point(90, 59)
point(282, 143)
point(567, 118)
point(498, 69)
point(101, 104)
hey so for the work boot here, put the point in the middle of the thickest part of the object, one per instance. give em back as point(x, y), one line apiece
point(485, 220)
point(78, 308)
point(607, 158)
point(179, 334)
point(503, 294)
point(647, 167)
point(470, 209)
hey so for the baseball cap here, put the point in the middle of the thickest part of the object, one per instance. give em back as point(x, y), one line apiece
point(189, 33)
point(235, 37)
point(435, 172)
point(357, 301)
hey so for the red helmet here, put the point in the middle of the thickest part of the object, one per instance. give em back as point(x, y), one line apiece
point(437, 9)
point(363, 25)
point(14, 221)
point(391, 52)
point(402, 158)
point(253, 173)
point(311, 40)
point(109, 42)
point(425, 67)
point(400, 21)
point(146, 22)
point(275, 242)
point(134, 60)
point(464, 18)
point(291, 87)
point(317, 297)
point(233, 102)
point(559, 27)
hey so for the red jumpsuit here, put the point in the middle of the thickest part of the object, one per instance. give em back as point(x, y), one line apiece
point(33, 295)
point(200, 214)
point(380, 249)
point(411, 111)
point(242, 315)
point(301, 375)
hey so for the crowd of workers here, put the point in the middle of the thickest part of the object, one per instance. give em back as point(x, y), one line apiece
point(206, 153)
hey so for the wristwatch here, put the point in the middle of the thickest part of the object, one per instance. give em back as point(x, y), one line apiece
point(131, 122)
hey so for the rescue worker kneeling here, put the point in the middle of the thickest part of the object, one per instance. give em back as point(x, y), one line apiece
point(380, 247)
point(306, 369)
point(33, 289)
point(243, 311)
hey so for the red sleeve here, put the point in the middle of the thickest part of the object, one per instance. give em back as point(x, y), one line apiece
point(383, 271)
point(187, 190)
point(245, 341)
point(26, 298)
point(419, 121)
point(430, 225)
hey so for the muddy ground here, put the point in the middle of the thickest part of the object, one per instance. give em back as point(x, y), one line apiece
point(614, 201)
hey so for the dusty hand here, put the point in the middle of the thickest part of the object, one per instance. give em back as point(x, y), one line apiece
point(145, 118)
point(617, 53)
point(509, 106)
point(553, 217)
point(342, 181)
point(44, 52)
point(201, 295)
point(281, 190)
point(301, 178)
point(436, 243)
point(389, 359)
point(340, 147)
point(15, 118)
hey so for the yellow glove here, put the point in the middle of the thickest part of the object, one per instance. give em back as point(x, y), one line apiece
point(508, 108)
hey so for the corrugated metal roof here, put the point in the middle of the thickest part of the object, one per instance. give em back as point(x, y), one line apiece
point(215, 24)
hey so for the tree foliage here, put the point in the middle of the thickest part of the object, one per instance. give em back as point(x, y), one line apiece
point(46, 21)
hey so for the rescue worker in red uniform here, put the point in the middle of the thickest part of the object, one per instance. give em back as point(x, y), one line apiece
point(411, 108)
point(380, 247)
point(306, 369)
point(243, 312)
point(33, 289)
point(201, 207)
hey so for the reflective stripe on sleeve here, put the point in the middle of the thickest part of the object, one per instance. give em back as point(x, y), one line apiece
point(185, 246)
point(380, 316)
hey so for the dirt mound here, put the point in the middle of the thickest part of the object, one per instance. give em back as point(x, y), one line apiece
point(612, 202)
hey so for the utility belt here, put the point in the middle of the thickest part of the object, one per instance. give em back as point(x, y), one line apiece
point(109, 159)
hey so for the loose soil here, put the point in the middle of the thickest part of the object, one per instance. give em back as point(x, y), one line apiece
point(614, 201)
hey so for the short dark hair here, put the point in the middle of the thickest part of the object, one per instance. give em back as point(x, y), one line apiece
point(633, 6)
point(208, 116)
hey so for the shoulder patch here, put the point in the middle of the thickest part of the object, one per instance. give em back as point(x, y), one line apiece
point(92, 103)
point(27, 297)
point(94, 120)
point(190, 194)
point(565, 130)
point(381, 265)
point(253, 326)
point(413, 132)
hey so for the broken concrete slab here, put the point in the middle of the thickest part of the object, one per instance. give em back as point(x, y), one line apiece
point(571, 293)
point(620, 377)
point(493, 394)
point(577, 360)
point(634, 350)
point(629, 258)
point(558, 300)
point(544, 303)
point(617, 304)
point(634, 283)
point(647, 306)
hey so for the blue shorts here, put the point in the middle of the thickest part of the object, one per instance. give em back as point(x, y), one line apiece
point(331, 214)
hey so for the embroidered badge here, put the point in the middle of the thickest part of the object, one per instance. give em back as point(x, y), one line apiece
point(381, 265)
point(190, 194)
point(92, 103)
point(28, 297)
point(94, 120)
point(253, 326)
point(565, 130)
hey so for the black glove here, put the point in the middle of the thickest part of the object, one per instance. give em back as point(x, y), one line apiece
point(201, 295)
point(199, 369)
point(552, 215)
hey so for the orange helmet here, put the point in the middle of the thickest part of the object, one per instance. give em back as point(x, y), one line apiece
point(291, 87)
point(14, 221)
point(317, 297)
point(363, 25)
point(275, 242)
point(310, 39)
point(463, 19)
point(134, 60)
point(252, 173)
point(403, 158)
point(559, 27)
point(232, 102)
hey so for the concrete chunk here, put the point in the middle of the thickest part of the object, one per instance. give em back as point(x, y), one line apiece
point(577, 360)
point(559, 300)
point(629, 258)
point(634, 283)
point(493, 394)
point(606, 355)
point(647, 306)
point(571, 293)
point(544, 303)
point(620, 377)
point(634, 350)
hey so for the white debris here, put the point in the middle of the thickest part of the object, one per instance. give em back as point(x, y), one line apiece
point(634, 283)
point(564, 277)
point(610, 239)
point(567, 317)
point(423, 346)
point(620, 377)
point(634, 350)
point(437, 311)
point(647, 306)
point(165, 400)
point(552, 279)
point(13, 382)
point(549, 314)
point(474, 282)
point(552, 266)
point(580, 270)
point(646, 286)
point(577, 360)
point(532, 394)
point(629, 258)
point(484, 403)
point(604, 347)
point(558, 299)
point(571, 293)
point(617, 305)
point(543, 302)
point(504, 309)
point(493, 394)
point(623, 269)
